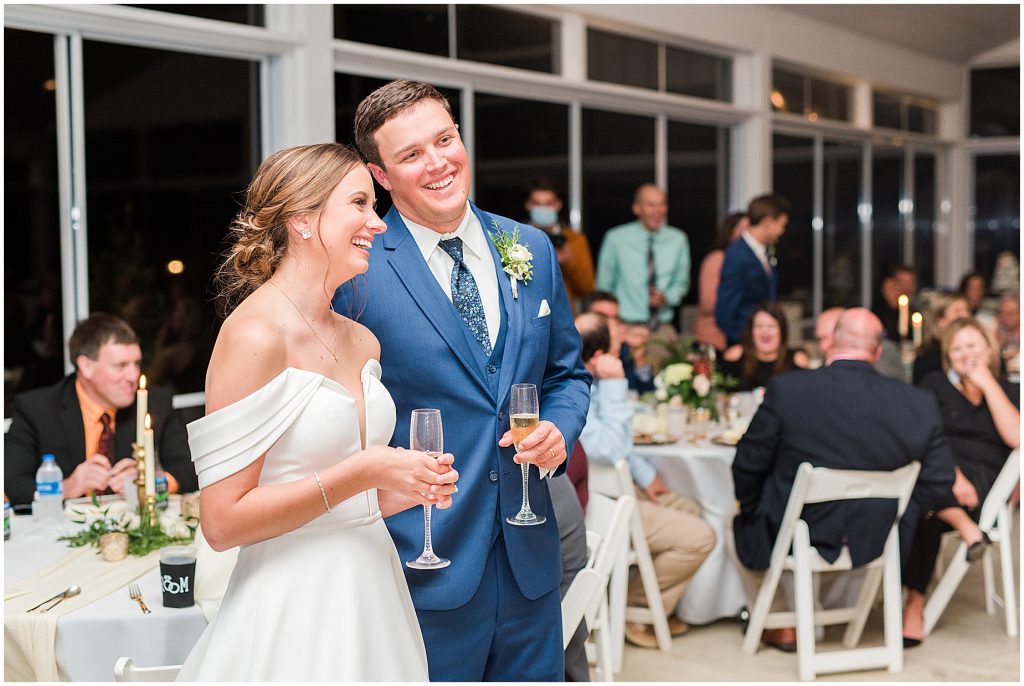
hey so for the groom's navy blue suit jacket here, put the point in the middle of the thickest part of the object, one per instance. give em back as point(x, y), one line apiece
point(743, 286)
point(430, 359)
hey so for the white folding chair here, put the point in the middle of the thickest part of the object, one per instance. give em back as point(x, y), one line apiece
point(584, 588)
point(818, 485)
point(125, 670)
point(997, 520)
point(613, 482)
point(608, 519)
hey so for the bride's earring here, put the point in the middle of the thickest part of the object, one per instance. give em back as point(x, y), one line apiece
point(306, 234)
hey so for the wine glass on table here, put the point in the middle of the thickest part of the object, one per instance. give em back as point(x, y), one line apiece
point(524, 414)
point(425, 435)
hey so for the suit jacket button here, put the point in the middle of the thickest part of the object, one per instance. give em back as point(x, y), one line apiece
point(493, 476)
point(492, 369)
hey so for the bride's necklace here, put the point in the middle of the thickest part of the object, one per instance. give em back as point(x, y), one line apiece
point(329, 350)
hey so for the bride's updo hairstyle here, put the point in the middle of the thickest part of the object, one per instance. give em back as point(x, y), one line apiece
point(290, 182)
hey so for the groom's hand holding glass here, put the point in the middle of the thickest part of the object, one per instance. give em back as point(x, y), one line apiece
point(543, 447)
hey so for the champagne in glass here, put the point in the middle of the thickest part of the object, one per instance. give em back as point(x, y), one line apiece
point(425, 435)
point(524, 413)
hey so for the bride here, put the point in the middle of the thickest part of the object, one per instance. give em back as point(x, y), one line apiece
point(294, 445)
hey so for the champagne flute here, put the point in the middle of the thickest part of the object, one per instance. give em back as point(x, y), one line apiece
point(524, 414)
point(425, 435)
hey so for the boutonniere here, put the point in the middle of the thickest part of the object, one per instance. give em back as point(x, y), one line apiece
point(516, 259)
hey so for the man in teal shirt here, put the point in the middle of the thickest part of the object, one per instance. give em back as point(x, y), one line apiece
point(646, 263)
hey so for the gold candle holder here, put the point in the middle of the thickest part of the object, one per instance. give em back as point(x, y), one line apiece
point(139, 453)
point(114, 546)
point(151, 509)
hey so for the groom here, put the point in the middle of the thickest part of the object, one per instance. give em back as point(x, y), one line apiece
point(455, 334)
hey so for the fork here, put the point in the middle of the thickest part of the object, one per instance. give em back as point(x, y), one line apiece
point(136, 595)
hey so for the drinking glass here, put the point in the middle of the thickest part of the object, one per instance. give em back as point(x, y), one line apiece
point(524, 412)
point(425, 435)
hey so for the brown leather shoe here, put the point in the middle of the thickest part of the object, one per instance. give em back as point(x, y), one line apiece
point(641, 635)
point(783, 639)
point(677, 627)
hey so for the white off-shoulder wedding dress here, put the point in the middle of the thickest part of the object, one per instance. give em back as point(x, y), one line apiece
point(328, 601)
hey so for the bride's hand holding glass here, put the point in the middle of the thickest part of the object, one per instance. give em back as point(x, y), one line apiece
point(417, 478)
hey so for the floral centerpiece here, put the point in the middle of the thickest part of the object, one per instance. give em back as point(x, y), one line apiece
point(688, 377)
point(170, 529)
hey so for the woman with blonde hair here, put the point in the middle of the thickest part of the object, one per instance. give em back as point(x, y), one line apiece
point(981, 418)
point(294, 446)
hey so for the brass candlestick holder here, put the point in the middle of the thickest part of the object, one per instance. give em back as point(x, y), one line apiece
point(139, 453)
point(147, 503)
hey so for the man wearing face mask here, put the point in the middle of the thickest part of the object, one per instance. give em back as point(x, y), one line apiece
point(544, 204)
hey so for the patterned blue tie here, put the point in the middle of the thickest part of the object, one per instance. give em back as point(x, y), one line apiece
point(465, 294)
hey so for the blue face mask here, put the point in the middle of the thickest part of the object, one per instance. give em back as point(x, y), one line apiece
point(543, 216)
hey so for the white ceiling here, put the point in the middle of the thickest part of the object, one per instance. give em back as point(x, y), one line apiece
point(951, 32)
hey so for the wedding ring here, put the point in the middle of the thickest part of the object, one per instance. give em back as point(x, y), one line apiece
point(552, 453)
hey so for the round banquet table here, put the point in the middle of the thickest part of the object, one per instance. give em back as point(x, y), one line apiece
point(704, 473)
point(91, 639)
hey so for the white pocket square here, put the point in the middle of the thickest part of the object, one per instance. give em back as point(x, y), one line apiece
point(544, 309)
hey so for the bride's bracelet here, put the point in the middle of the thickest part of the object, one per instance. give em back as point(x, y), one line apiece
point(323, 493)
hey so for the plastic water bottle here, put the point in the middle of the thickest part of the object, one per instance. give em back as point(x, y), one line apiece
point(49, 497)
point(160, 482)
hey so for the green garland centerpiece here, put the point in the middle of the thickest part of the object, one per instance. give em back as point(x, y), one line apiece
point(516, 258)
point(143, 538)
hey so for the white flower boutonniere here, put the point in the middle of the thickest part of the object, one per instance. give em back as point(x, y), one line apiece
point(516, 259)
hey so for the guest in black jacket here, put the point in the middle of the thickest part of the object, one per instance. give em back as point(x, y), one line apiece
point(842, 416)
point(981, 416)
point(88, 421)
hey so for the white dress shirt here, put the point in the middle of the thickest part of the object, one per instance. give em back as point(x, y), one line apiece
point(759, 248)
point(476, 253)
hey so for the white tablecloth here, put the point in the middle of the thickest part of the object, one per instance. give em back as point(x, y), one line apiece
point(90, 640)
point(704, 474)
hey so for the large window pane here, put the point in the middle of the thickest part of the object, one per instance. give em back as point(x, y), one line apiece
point(239, 14)
point(924, 218)
point(697, 74)
point(829, 99)
point(995, 102)
point(618, 156)
point(886, 110)
point(518, 141)
point(420, 28)
point(697, 189)
point(349, 91)
point(513, 39)
point(887, 238)
point(793, 174)
point(621, 59)
point(787, 91)
point(921, 119)
point(842, 250)
point(33, 324)
point(996, 209)
point(808, 95)
point(164, 178)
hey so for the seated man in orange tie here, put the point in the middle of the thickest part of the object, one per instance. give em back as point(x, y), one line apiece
point(88, 421)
